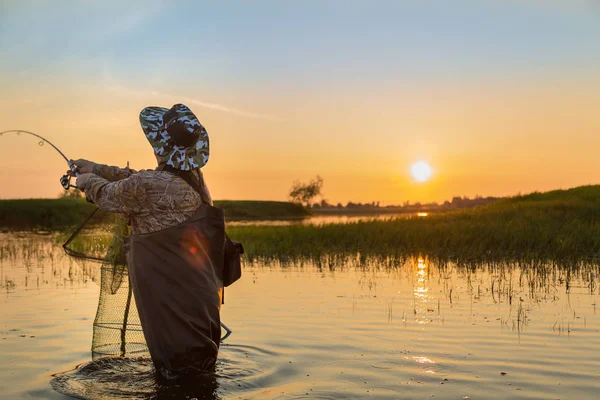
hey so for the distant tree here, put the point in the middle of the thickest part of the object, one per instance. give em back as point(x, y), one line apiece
point(325, 204)
point(303, 193)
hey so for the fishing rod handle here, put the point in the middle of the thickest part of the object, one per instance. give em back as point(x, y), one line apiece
point(73, 167)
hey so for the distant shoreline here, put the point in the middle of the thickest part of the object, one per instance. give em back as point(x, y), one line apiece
point(367, 211)
point(64, 213)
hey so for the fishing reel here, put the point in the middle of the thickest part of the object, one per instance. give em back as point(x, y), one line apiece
point(65, 180)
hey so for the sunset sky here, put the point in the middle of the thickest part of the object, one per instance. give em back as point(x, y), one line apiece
point(499, 97)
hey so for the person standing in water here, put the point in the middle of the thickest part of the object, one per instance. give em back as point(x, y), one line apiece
point(175, 252)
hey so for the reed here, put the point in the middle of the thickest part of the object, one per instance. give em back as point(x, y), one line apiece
point(560, 225)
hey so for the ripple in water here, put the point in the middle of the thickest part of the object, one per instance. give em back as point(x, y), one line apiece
point(386, 364)
point(134, 378)
point(319, 395)
point(116, 378)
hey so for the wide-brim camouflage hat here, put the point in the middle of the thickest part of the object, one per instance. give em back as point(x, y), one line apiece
point(178, 138)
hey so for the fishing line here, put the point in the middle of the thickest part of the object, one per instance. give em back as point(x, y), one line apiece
point(65, 180)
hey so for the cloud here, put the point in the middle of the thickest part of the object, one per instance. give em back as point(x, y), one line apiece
point(123, 91)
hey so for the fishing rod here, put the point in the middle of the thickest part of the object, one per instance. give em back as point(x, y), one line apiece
point(65, 180)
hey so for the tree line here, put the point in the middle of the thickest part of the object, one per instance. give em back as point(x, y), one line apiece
point(305, 193)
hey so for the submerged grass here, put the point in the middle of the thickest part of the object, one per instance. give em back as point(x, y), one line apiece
point(560, 225)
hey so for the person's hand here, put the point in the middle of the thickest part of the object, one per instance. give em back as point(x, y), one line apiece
point(83, 166)
point(82, 180)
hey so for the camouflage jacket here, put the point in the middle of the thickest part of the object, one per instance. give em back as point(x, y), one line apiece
point(153, 199)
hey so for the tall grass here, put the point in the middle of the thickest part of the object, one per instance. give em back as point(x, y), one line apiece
point(559, 225)
point(249, 209)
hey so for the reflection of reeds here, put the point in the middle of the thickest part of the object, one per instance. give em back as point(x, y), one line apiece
point(560, 328)
point(521, 317)
point(41, 258)
point(516, 285)
point(7, 284)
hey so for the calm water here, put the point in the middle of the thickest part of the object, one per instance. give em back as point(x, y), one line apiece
point(329, 219)
point(411, 331)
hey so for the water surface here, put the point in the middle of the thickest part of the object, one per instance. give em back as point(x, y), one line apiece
point(323, 219)
point(407, 331)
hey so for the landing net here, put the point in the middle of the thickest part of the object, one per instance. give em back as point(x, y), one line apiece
point(98, 246)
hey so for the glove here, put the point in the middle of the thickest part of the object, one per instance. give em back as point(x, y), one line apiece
point(82, 181)
point(84, 166)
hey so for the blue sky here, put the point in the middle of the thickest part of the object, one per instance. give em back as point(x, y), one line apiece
point(275, 42)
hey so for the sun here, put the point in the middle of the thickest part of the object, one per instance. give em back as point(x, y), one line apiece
point(421, 171)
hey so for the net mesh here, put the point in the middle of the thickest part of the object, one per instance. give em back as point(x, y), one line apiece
point(98, 246)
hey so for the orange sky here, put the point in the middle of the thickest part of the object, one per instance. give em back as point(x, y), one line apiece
point(490, 139)
point(490, 129)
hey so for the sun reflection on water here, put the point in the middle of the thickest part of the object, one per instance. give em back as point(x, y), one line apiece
point(420, 293)
point(424, 360)
point(422, 310)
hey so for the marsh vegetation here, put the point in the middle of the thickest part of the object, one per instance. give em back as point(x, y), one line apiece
point(559, 226)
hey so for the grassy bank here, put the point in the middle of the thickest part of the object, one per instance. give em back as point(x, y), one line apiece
point(56, 214)
point(47, 214)
point(560, 225)
point(247, 209)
